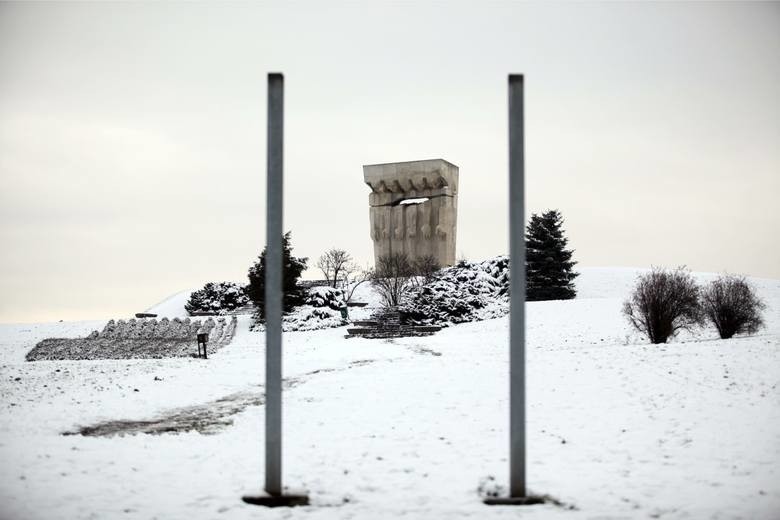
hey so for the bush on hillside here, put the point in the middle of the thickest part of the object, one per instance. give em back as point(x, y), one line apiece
point(307, 317)
point(397, 274)
point(732, 305)
point(322, 309)
point(549, 265)
point(217, 298)
point(425, 268)
point(663, 303)
point(466, 292)
point(393, 278)
point(292, 268)
point(326, 297)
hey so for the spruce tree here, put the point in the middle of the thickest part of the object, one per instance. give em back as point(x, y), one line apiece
point(549, 274)
point(293, 267)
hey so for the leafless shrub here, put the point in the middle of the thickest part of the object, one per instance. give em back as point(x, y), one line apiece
point(425, 268)
point(337, 266)
point(393, 277)
point(663, 303)
point(732, 305)
point(353, 280)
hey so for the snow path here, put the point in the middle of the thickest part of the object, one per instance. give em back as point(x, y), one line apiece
point(209, 418)
point(616, 428)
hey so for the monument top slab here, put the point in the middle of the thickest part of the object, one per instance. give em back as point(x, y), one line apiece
point(412, 176)
point(421, 162)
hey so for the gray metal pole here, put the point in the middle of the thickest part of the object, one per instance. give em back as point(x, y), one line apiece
point(273, 287)
point(517, 288)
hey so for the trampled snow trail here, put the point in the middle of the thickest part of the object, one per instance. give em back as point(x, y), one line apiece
point(382, 429)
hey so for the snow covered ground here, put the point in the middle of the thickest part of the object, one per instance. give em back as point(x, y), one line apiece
point(409, 427)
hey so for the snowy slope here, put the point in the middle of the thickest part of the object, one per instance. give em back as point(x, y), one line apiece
point(616, 282)
point(410, 427)
point(173, 306)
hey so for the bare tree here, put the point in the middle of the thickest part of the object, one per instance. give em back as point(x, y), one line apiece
point(663, 303)
point(732, 305)
point(393, 277)
point(336, 265)
point(425, 268)
point(353, 280)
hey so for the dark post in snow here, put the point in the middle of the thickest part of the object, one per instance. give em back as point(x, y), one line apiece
point(517, 487)
point(517, 288)
point(273, 305)
point(273, 287)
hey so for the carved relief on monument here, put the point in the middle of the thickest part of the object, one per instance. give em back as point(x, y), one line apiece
point(413, 208)
point(410, 214)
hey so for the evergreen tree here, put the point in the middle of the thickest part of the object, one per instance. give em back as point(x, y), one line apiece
point(549, 274)
point(294, 294)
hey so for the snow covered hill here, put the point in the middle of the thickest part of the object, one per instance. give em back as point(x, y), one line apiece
point(408, 427)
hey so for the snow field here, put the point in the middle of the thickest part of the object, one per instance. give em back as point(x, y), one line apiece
point(409, 427)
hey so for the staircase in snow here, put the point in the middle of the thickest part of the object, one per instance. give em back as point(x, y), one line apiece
point(386, 323)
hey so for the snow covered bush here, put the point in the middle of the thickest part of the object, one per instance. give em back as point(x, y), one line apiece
point(326, 297)
point(307, 317)
point(466, 292)
point(732, 305)
point(664, 303)
point(217, 298)
point(321, 310)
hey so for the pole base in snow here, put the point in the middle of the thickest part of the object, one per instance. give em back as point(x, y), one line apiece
point(529, 500)
point(267, 500)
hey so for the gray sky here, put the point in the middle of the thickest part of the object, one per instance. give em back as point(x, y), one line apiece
point(132, 136)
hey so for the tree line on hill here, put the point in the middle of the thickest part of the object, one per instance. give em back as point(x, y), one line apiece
point(549, 273)
point(662, 303)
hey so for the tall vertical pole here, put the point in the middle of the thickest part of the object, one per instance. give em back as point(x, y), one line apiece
point(517, 486)
point(274, 269)
point(273, 287)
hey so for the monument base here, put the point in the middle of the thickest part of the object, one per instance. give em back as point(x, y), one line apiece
point(288, 500)
point(529, 500)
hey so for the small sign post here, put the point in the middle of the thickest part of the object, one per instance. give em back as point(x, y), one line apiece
point(203, 341)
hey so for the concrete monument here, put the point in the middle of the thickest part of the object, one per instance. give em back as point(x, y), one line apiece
point(413, 208)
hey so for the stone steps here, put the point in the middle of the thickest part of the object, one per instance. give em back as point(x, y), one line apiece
point(386, 323)
point(365, 323)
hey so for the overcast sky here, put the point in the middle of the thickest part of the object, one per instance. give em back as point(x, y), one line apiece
point(132, 136)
